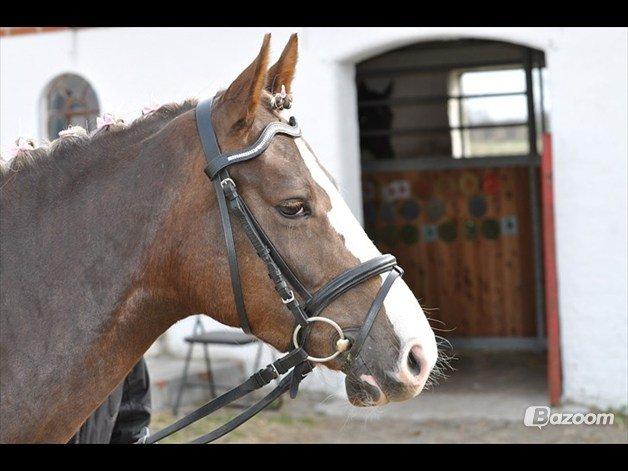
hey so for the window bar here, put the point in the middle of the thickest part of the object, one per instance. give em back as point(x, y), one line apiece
point(412, 100)
point(461, 123)
point(445, 162)
point(530, 102)
point(386, 132)
point(396, 71)
point(542, 100)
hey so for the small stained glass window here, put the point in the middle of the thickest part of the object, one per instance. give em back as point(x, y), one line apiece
point(70, 101)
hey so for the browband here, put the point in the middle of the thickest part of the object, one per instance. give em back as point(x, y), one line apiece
point(216, 161)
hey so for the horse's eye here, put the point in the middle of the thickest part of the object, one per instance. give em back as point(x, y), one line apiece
point(293, 208)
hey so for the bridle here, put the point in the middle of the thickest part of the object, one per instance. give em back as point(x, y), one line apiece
point(296, 363)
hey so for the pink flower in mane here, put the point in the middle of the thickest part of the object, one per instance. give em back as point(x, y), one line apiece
point(21, 144)
point(107, 120)
point(150, 109)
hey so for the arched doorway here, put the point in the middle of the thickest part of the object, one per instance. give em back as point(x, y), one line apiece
point(451, 142)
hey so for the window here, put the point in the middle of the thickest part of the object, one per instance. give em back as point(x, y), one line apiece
point(488, 113)
point(69, 101)
point(451, 100)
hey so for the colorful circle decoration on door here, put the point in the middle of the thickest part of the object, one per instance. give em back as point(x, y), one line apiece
point(430, 233)
point(469, 184)
point(409, 234)
point(470, 229)
point(491, 184)
point(370, 212)
point(490, 229)
point(477, 206)
point(388, 235)
point(396, 190)
point(435, 209)
point(447, 231)
point(424, 189)
point(410, 209)
point(509, 225)
point(387, 212)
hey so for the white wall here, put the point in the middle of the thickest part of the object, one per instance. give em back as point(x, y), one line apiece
point(587, 83)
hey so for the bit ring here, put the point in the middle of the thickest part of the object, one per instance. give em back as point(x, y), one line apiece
point(341, 344)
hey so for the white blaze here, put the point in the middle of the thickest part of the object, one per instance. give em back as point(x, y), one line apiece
point(402, 308)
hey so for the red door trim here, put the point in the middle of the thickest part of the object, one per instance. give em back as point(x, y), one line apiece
point(554, 368)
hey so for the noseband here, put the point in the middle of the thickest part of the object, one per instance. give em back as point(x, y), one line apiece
point(306, 308)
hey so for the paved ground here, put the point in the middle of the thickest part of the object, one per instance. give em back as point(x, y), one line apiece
point(483, 401)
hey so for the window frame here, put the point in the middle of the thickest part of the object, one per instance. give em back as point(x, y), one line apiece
point(528, 60)
point(47, 112)
point(459, 142)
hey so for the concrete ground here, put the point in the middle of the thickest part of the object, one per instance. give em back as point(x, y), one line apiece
point(483, 401)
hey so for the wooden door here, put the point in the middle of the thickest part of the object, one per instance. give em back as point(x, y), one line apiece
point(464, 239)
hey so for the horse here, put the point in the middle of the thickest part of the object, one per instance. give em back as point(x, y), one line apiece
point(109, 238)
point(375, 116)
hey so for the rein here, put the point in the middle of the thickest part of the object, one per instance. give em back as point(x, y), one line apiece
point(296, 364)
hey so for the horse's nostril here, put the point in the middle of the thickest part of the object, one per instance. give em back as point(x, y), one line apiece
point(414, 364)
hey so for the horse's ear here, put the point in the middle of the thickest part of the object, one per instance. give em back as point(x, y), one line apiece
point(240, 101)
point(282, 72)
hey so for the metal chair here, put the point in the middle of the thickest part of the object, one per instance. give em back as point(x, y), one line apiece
point(204, 338)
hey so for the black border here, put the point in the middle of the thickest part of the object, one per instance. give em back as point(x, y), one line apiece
point(316, 13)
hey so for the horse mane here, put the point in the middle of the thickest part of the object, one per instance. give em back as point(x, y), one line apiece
point(27, 161)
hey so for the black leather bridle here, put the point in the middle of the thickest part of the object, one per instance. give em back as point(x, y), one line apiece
point(297, 363)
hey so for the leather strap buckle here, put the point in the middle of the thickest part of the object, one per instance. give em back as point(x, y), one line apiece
point(227, 181)
point(290, 360)
point(274, 368)
point(290, 299)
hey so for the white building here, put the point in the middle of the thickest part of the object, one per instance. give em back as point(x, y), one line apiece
point(586, 83)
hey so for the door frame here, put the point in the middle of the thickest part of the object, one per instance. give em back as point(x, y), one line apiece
point(554, 363)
